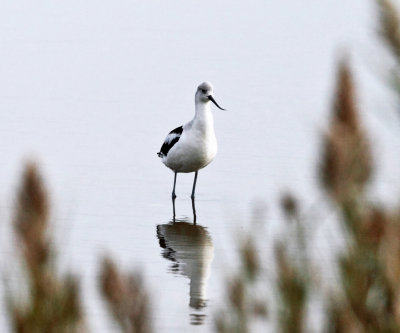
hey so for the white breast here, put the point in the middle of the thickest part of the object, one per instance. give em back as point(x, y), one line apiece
point(194, 150)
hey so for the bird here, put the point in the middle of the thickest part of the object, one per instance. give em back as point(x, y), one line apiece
point(193, 146)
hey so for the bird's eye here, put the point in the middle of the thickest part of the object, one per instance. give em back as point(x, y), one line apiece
point(203, 91)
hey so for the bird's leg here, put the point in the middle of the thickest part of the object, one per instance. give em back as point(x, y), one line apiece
point(173, 198)
point(194, 184)
point(194, 211)
point(173, 209)
point(173, 191)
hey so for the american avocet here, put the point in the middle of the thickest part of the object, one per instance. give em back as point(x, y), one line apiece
point(193, 146)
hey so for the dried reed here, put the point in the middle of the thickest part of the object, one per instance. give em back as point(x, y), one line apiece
point(126, 298)
point(53, 303)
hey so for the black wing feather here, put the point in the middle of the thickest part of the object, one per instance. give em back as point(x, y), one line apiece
point(168, 144)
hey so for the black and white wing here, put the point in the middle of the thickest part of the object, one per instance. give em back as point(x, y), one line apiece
point(172, 138)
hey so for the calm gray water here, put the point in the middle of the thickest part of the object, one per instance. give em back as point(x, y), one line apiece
point(90, 90)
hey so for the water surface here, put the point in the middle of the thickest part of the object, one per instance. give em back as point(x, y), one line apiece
point(90, 91)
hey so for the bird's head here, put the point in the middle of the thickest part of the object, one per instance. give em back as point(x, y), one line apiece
point(204, 94)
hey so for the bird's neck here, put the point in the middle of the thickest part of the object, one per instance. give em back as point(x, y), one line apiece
point(203, 115)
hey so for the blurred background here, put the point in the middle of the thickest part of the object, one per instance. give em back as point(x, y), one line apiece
point(88, 92)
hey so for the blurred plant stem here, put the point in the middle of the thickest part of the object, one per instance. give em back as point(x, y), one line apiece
point(389, 22)
point(367, 296)
point(52, 303)
point(365, 299)
point(126, 298)
point(389, 30)
point(293, 274)
point(242, 303)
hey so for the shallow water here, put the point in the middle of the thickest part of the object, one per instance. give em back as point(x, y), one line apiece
point(90, 90)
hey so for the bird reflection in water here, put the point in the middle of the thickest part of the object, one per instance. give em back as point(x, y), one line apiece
point(190, 248)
